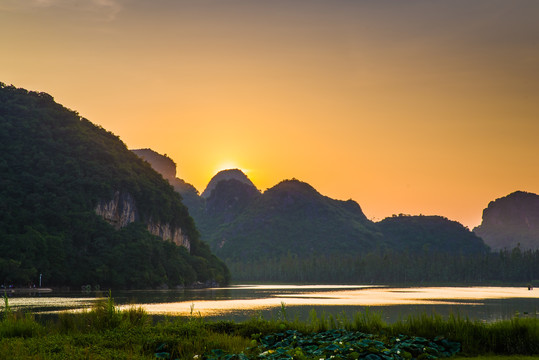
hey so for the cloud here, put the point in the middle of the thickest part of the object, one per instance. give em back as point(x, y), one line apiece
point(101, 10)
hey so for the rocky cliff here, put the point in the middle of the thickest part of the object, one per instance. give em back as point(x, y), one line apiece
point(121, 210)
point(510, 221)
point(167, 232)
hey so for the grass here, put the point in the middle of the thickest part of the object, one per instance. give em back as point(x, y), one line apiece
point(104, 332)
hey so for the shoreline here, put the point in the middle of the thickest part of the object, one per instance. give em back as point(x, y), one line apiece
point(26, 290)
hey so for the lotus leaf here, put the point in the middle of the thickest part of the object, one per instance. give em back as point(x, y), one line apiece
point(343, 344)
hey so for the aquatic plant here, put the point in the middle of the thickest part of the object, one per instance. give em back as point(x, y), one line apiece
point(106, 332)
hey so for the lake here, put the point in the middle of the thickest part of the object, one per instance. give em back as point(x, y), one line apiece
point(243, 301)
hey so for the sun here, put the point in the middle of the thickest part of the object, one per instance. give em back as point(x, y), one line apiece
point(227, 165)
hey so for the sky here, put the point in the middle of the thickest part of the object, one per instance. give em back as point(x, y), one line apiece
point(414, 107)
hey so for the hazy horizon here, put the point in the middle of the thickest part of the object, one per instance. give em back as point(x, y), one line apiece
point(417, 107)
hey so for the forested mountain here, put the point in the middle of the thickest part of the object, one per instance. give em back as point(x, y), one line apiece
point(429, 234)
point(291, 232)
point(241, 224)
point(79, 208)
point(291, 218)
point(511, 221)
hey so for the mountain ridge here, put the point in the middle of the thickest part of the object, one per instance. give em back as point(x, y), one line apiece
point(292, 219)
point(79, 207)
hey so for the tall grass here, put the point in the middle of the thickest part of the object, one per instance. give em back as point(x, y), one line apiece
point(105, 332)
point(514, 336)
point(103, 316)
point(16, 323)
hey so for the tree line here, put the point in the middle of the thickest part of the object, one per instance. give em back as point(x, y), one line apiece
point(390, 267)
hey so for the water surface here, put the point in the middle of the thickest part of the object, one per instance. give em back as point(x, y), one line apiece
point(244, 301)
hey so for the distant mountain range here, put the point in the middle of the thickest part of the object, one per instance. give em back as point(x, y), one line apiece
point(242, 224)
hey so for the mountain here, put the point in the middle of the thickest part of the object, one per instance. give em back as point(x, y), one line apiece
point(228, 199)
point(429, 234)
point(161, 163)
point(231, 174)
point(510, 221)
point(242, 224)
point(167, 168)
point(289, 218)
point(79, 208)
point(291, 232)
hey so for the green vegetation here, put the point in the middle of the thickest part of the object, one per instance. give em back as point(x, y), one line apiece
point(411, 250)
point(56, 167)
point(105, 332)
point(416, 234)
point(241, 224)
point(291, 233)
point(393, 267)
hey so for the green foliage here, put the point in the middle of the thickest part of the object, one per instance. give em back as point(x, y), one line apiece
point(56, 168)
point(292, 233)
point(17, 324)
point(292, 218)
point(418, 249)
point(106, 332)
point(343, 344)
point(515, 336)
point(429, 233)
point(103, 316)
point(393, 267)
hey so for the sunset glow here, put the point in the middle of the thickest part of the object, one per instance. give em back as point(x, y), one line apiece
point(364, 297)
point(229, 165)
point(413, 107)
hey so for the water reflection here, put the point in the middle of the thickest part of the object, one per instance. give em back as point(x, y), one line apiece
point(360, 296)
point(243, 301)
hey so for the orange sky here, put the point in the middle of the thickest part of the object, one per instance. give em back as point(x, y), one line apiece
point(411, 107)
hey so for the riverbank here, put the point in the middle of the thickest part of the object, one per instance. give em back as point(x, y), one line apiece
point(107, 332)
point(26, 290)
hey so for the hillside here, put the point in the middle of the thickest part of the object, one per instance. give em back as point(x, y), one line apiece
point(79, 208)
point(510, 221)
point(293, 233)
point(429, 234)
point(167, 167)
point(289, 218)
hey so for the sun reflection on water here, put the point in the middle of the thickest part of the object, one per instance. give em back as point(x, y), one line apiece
point(253, 298)
point(362, 296)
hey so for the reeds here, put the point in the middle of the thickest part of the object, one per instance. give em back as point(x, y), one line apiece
point(17, 324)
point(514, 336)
point(104, 332)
